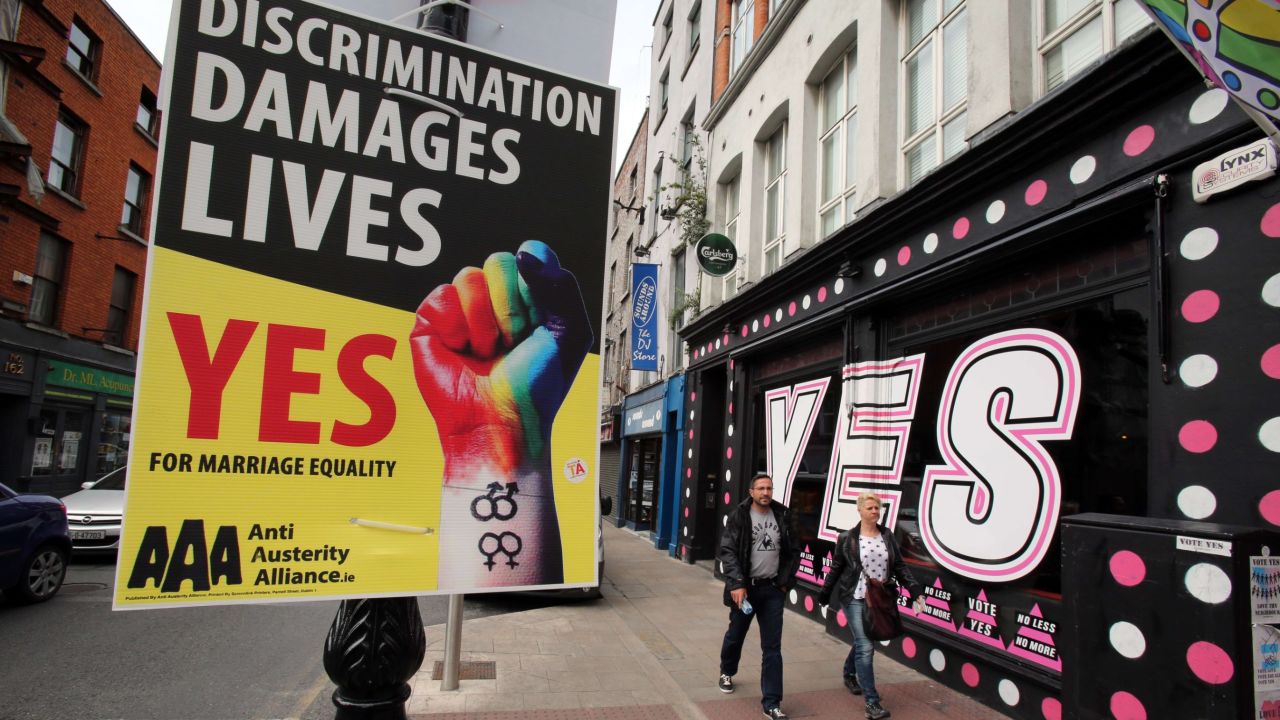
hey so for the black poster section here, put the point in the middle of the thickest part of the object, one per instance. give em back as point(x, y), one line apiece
point(1157, 617)
point(319, 148)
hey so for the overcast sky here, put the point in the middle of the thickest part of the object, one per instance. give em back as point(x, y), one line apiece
point(629, 70)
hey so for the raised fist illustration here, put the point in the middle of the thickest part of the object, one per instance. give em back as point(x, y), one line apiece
point(494, 354)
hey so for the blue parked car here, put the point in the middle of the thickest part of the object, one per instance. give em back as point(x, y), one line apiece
point(34, 546)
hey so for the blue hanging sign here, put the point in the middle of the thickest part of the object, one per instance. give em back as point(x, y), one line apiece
point(644, 316)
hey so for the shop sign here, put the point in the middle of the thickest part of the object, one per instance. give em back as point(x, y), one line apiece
point(366, 316)
point(716, 254)
point(81, 377)
point(15, 364)
point(644, 419)
point(644, 316)
point(1233, 169)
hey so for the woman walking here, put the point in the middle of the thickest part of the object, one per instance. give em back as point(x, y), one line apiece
point(866, 550)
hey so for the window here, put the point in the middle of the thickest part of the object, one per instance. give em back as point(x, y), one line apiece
point(657, 199)
point(935, 77)
point(613, 279)
point(46, 286)
point(775, 168)
point(663, 85)
point(743, 32)
point(687, 140)
point(135, 196)
point(113, 448)
point(774, 5)
point(120, 308)
point(67, 154)
point(82, 50)
point(146, 118)
point(666, 28)
point(1074, 33)
point(736, 277)
point(695, 26)
point(678, 299)
point(838, 111)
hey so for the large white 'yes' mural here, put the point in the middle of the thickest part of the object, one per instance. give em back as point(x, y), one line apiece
point(990, 510)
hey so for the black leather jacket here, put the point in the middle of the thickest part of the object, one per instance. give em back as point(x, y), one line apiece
point(735, 548)
point(846, 568)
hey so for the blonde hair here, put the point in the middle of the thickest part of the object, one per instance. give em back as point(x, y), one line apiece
point(868, 495)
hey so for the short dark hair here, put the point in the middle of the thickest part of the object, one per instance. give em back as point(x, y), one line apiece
point(758, 476)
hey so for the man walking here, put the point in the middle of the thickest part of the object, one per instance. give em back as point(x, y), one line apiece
point(759, 558)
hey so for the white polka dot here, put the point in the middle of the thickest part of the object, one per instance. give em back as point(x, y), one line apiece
point(1197, 502)
point(724, 522)
point(717, 343)
point(1269, 434)
point(822, 609)
point(686, 493)
point(685, 531)
point(691, 414)
point(839, 287)
point(1128, 640)
point(938, 660)
point(1009, 692)
point(995, 212)
point(755, 326)
point(1199, 243)
point(1208, 106)
point(794, 596)
point(1208, 583)
point(1271, 291)
point(777, 315)
point(1082, 169)
point(885, 643)
point(730, 431)
point(691, 453)
point(721, 568)
point(806, 302)
point(730, 386)
point(881, 266)
point(1198, 370)
point(930, 243)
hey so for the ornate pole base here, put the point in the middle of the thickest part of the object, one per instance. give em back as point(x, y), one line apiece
point(374, 646)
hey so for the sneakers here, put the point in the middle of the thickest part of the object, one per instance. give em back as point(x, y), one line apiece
point(876, 711)
point(851, 684)
point(726, 683)
point(775, 714)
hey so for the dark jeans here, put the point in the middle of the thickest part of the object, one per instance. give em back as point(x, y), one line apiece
point(766, 602)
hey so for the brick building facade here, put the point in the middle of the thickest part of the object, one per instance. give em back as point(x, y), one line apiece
point(80, 120)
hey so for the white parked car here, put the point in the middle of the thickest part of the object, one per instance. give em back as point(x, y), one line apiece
point(94, 513)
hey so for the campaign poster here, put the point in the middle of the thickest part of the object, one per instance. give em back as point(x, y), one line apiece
point(1264, 588)
point(370, 353)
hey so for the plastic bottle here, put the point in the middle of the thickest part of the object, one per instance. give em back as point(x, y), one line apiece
point(745, 607)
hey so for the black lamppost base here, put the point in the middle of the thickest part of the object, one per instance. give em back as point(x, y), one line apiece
point(374, 647)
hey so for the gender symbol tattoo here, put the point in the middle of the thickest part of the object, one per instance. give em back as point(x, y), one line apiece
point(508, 543)
point(502, 507)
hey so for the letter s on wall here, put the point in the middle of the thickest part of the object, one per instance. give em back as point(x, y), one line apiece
point(990, 511)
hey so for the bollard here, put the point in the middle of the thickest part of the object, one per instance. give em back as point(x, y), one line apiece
point(374, 646)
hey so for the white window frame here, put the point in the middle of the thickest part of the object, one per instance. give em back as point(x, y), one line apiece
point(843, 200)
point(668, 28)
point(694, 23)
point(731, 192)
point(941, 116)
point(742, 32)
point(137, 185)
point(664, 92)
point(775, 178)
point(1047, 42)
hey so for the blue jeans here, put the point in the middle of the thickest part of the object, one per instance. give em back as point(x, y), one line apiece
point(860, 657)
point(766, 602)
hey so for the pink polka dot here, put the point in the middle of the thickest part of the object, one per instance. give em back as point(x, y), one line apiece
point(686, 512)
point(1127, 568)
point(1209, 662)
point(791, 309)
point(726, 339)
point(728, 452)
point(1198, 436)
point(690, 433)
point(1051, 709)
point(841, 620)
point(1139, 140)
point(909, 647)
point(969, 674)
point(1269, 507)
point(693, 396)
point(708, 347)
point(904, 255)
point(1271, 362)
point(688, 472)
point(730, 408)
point(744, 331)
point(822, 294)
point(730, 363)
point(1035, 192)
point(1125, 706)
point(766, 321)
point(1200, 306)
point(1271, 221)
point(808, 603)
point(727, 500)
point(960, 229)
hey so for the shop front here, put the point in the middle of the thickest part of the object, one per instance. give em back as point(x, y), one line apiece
point(1045, 332)
point(651, 443)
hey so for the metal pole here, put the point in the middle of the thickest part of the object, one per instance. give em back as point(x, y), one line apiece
point(452, 644)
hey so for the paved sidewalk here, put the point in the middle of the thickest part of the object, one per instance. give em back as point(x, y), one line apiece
point(650, 649)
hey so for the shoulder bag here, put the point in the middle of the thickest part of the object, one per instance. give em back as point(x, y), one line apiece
point(881, 619)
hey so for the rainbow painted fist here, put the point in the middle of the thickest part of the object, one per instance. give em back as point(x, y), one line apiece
point(494, 354)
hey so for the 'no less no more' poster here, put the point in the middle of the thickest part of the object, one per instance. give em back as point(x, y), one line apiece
point(370, 356)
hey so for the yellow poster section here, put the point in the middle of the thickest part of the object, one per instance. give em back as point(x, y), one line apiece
point(298, 527)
